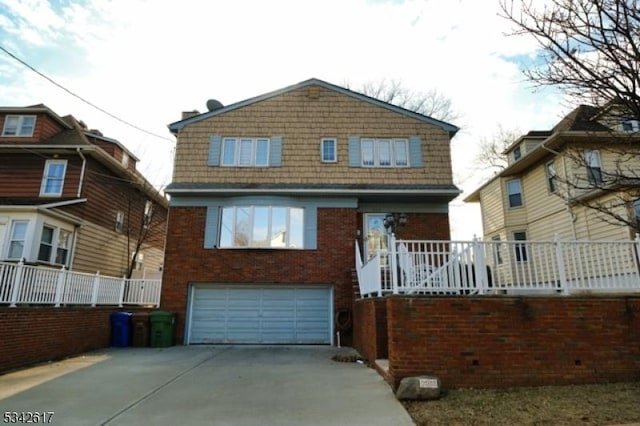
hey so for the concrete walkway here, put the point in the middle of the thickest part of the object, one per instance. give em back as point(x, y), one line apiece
point(205, 385)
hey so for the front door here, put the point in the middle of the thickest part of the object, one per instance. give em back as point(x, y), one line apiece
point(375, 234)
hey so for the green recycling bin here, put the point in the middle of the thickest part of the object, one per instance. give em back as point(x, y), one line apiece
point(162, 324)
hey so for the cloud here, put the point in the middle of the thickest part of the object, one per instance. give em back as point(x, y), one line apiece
point(146, 61)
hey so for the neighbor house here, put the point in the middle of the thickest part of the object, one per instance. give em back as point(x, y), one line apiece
point(270, 195)
point(71, 197)
point(577, 181)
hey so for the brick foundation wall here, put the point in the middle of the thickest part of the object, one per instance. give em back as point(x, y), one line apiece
point(33, 335)
point(370, 334)
point(503, 342)
point(187, 261)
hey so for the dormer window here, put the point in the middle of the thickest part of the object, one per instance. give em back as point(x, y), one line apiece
point(630, 125)
point(517, 153)
point(19, 125)
point(125, 159)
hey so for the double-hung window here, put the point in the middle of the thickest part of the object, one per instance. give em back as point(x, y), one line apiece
point(520, 248)
point(514, 192)
point(19, 125)
point(262, 227)
point(329, 150)
point(594, 167)
point(17, 239)
point(517, 153)
point(54, 245)
point(46, 243)
point(384, 152)
point(53, 178)
point(630, 125)
point(245, 152)
point(551, 176)
point(64, 243)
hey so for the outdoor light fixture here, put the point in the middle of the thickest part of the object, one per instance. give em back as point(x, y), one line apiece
point(391, 220)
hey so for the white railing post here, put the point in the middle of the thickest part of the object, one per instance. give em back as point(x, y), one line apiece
point(122, 284)
point(480, 265)
point(17, 283)
point(393, 262)
point(94, 292)
point(62, 278)
point(561, 266)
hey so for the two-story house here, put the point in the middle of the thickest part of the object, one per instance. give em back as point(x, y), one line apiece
point(71, 197)
point(577, 181)
point(269, 196)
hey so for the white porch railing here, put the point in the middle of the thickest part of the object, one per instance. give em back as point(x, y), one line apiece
point(25, 284)
point(501, 267)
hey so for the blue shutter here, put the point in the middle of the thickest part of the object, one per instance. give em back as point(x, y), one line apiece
point(355, 158)
point(415, 152)
point(275, 151)
point(311, 228)
point(215, 145)
point(211, 227)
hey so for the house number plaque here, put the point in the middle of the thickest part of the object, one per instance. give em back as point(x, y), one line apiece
point(429, 383)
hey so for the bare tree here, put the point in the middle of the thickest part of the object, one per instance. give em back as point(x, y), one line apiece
point(430, 103)
point(590, 50)
point(490, 156)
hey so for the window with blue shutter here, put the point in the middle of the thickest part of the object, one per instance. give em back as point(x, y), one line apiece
point(211, 227)
point(415, 152)
point(275, 151)
point(215, 142)
point(355, 157)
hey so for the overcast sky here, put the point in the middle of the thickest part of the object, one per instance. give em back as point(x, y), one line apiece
point(146, 61)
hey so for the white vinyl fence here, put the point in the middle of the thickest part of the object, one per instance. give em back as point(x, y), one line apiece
point(25, 284)
point(501, 267)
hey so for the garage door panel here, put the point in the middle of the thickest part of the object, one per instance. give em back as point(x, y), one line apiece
point(229, 314)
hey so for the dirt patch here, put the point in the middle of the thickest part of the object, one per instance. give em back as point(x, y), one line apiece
point(610, 404)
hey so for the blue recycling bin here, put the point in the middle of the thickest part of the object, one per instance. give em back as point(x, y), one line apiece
point(121, 329)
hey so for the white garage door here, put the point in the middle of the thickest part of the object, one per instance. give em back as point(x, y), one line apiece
point(259, 315)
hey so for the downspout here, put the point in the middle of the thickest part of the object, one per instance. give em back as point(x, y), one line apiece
point(84, 164)
point(572, 215)
point(72, 257)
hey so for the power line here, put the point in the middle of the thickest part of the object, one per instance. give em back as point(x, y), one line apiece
point(81, 98)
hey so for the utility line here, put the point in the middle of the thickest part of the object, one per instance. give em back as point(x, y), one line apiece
point(80, 97)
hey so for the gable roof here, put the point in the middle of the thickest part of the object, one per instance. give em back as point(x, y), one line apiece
point(579, 124)
point(450, 128)
point(34, 109)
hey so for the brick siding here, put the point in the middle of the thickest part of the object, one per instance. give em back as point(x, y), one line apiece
point(34, 335)
point(503, 342)
point(187, 261)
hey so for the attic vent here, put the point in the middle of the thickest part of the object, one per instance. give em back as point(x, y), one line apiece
point(214, 104)
point(314, 92)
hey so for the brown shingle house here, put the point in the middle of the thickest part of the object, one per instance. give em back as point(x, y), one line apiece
point(269, 196)
point(69, 196)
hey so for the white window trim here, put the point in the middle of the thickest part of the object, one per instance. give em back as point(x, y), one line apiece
point(20, 126)
point(45, 178)
point(335, 150)
point(11, 239)
point(237, 141)
point(522, 251)
point(119, 223)
point(593, 160)
point(55, 244)
point(509, 194)
point(393, 143)
point(635, 125)
point(250, 244)
point(552, 178)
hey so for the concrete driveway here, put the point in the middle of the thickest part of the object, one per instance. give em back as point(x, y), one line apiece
point(205, 385)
